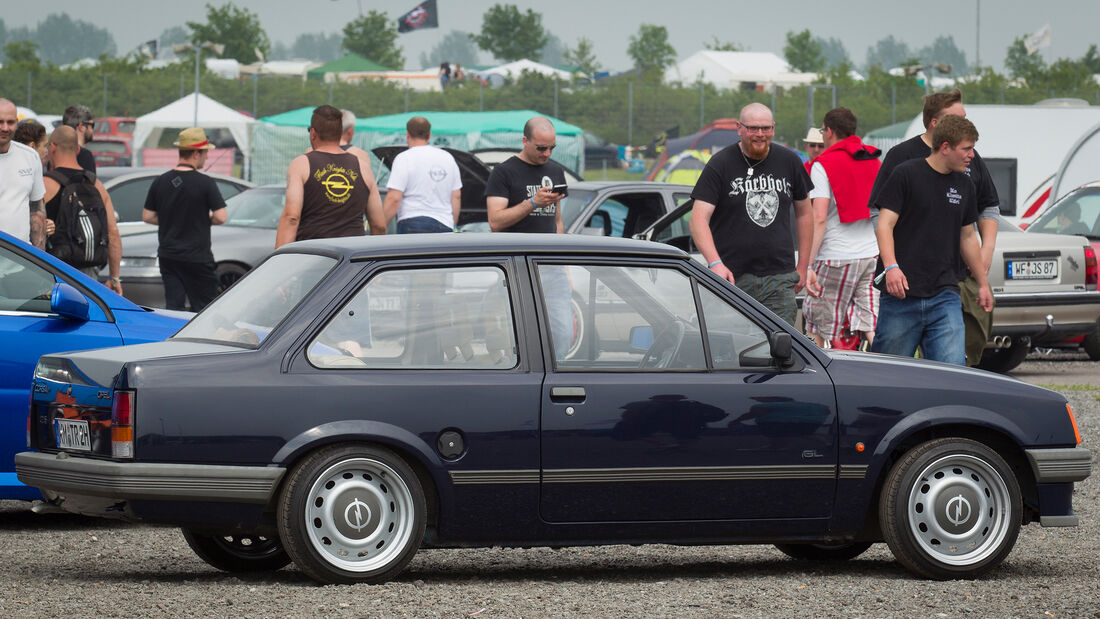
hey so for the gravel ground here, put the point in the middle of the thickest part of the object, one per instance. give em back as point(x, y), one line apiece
point(66, 566)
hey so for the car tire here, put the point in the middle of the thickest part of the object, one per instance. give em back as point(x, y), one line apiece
point(228, 273)
point(950, 508)
point(1091, 343)
point(824, 552)
point(351, 513)
point(238, 553)
point(1004, 360)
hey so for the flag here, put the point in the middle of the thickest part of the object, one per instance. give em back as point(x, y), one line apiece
point(423, 16)
point(148, 49)
point(1039, 40)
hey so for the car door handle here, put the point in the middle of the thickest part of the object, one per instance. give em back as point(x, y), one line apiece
point(567, 394)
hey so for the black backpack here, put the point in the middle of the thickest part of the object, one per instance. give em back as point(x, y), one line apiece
point(80, 227)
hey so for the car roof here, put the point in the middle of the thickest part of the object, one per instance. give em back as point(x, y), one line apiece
point(641, 185)
point(427, 245)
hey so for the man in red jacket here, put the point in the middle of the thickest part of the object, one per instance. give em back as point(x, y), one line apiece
point(842, 300)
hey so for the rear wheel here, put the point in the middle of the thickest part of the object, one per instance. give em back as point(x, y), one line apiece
point(352, 514)
point(950, 508)
point(1003, 360)
point(238, 553)
point(824, 552)
point(228, 273)
point(1091, 343)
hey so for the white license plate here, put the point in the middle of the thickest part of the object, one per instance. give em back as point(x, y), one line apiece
point(1032, 269)
point(73, 434)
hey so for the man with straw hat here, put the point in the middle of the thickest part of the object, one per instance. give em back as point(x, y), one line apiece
point(184, 203)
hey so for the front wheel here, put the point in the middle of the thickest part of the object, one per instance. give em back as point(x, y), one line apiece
point(238, 553)
point(950, 508)
point(824, 552)
point(352, 514)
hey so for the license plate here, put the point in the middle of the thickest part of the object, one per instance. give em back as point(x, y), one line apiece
point(73, 434)
point(385, 303)
point(1032, 269)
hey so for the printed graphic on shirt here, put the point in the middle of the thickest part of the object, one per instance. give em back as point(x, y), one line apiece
point(954, 197)
point(761, 196)
point(549, 209)
point(437, 173)
point(338, 182)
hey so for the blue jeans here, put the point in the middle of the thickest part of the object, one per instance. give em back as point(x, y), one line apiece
point(416, 225)
point(558, 295)
point(935, 324)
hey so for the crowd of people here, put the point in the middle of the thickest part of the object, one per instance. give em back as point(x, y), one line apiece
point(892, 252)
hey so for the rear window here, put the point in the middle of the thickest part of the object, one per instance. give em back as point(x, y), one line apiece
point(107, 147)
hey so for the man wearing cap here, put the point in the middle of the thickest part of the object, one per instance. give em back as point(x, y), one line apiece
point(815, 145)
point(184, 203)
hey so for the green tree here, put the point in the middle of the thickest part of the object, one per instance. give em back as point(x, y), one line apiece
point(651, 51)
point(723, 46)
point(374, 36)
point(1021, 64)
point(237, 29)
point(583, 56)
point(510, 35)
point(316, 46)
point(553, 53)
point(944, 51)
point(22, 54)
point(172, 36)
point(834, 53)
point(1091, 59)
point(62, 39)
point(456, 46)
point(888, 53)
point(803, 52)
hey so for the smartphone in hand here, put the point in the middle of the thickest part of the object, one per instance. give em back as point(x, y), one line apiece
point(561, 190)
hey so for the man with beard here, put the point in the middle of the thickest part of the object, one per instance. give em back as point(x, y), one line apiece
point(741, 220)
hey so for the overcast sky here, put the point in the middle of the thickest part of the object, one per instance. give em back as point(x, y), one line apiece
point(759, 25)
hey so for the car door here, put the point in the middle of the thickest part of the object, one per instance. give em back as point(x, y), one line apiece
point(28, 330)
point(662, 412)
point(621, 213)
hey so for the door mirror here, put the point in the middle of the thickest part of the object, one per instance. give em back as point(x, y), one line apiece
point(641, 338)
point(68, 302)
point(780, 344)
point(780, 352)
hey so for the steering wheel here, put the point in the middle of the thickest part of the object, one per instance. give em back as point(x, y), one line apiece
point(665, 347)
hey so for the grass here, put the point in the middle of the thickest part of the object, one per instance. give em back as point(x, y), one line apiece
point(1054, 387)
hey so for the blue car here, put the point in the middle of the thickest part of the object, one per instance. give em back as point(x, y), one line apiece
point(350, 401)
point(47, 306)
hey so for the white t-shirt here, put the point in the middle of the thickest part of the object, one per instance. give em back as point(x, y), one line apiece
point(425, 176)
point(20, 183)
point(841, 241)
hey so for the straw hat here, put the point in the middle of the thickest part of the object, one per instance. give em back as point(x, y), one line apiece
point(813, 136)
point(193, 138)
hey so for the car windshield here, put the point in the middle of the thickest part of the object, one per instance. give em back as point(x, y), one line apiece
point(573, 205)
point(256, 208)
point(249, 311)
point(1077, 214)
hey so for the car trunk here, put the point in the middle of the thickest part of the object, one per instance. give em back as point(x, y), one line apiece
point(474, 175)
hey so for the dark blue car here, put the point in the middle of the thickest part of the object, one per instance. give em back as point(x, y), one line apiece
point(350, 401)
point(47, 306)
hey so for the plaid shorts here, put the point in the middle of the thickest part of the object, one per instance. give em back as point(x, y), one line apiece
point(848, 296)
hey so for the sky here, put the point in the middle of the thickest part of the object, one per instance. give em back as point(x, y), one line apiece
point(760, 26)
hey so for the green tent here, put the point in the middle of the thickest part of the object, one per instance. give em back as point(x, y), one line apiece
point(349, 63)
point(278, 139)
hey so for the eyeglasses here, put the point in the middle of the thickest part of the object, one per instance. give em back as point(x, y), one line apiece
point(543, 149)
point(758, 128)
point(88, 124)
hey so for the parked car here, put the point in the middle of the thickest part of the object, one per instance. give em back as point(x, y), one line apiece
point(111, 152)
point(128, 188)
point(1044, 286)
point(1076, 214)
point(47, 306)
point(242, 242)
point(114, 126)
point(599, 153)
point(279, 425)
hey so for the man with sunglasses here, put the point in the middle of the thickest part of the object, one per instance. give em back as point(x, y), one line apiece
point(520, 194)
point(79, 117)
point(741, 221)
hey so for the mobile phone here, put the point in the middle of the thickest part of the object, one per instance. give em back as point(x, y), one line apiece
point(561, 189)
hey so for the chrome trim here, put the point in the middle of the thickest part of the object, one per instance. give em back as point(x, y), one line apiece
point(1054, 466)
point(462, 478)
point(654, 474)
point(853, 471)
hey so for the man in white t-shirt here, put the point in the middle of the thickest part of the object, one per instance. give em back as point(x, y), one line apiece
point(842, 256)
point(424, 189)
point(22, 212)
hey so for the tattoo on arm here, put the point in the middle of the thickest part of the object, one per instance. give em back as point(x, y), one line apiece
point(38, 224)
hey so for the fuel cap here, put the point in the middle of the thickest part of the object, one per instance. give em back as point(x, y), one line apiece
point(450, 444)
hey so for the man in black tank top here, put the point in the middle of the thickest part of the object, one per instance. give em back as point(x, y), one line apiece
point(329, 190)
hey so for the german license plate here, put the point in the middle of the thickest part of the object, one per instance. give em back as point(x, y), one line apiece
point(1032, 269)
point(73, 434)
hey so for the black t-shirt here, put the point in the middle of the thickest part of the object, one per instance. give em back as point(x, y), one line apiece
point(86, 159)
point(516, 180)
point(915, 148)
point(183, 202)
point(751, 223)
point(932, 209)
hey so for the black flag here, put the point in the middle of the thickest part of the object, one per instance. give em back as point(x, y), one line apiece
point(423, 16)
point(148, 49)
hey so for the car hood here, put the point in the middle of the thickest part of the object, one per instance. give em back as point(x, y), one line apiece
point(104, 364)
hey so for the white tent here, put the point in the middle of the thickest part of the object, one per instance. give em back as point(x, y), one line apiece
point(514, 69)
point(732, 69)
point(180, 114)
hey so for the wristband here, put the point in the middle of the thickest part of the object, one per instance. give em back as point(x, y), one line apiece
point(711, 265)
point(533, 205)
point(882, 276)
point(116, 279)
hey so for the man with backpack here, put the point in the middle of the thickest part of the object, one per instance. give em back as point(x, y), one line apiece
point(85, 233)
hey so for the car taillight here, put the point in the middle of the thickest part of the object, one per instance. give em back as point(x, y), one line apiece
point(122, 424)
point(1092, 272)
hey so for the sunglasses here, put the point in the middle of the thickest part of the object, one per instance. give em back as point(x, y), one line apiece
point(543, 149)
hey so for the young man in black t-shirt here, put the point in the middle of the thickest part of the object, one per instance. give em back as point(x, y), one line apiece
point(184, 203)
point(927, 208)
point(741, 218)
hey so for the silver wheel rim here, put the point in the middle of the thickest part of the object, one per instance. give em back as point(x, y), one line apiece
point(959, 510)
point(359, 515)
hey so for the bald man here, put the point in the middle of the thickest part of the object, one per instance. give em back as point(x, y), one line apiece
point(741, 219)
point(520, 194)
point(22, 213)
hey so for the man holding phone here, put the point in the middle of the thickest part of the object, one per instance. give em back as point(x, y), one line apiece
point(524, 192)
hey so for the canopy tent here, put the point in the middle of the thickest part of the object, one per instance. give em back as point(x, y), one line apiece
point(734, 70)
point(180, 114)
point(350, 63)
point(683, 167)
point(712, 138)
point(278, 139)
point(495, 76)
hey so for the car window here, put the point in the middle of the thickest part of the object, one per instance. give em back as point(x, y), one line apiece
point(1076, 214)
point(106, 146)
point(248, 312)
point(259, 208)
point(729, 332)
point(626, 214)
point(574, 204)
point(126, 127)
point(102, 126)
point(620, 317)
point(677, 232)
point(431, 318)
point(227, 189)
point(128, 197)
point(24, 286)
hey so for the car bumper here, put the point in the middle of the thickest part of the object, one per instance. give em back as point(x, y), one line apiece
point(1046, 315)
point(147, 291)
point(1055, 471)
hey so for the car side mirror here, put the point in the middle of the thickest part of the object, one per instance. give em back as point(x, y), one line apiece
point(641, 338)
point(780, 352)
point(781, 348)
point(68, 302)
